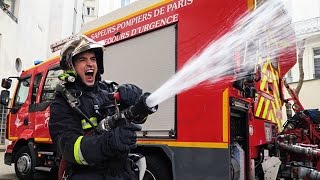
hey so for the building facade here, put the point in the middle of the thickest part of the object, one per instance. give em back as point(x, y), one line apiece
point(27, 30)
point(97, 8)
point(306, 17)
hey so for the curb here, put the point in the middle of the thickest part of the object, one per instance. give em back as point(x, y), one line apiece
point(2, 148)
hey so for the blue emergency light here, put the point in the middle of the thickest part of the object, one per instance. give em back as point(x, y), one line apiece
point(36, 62)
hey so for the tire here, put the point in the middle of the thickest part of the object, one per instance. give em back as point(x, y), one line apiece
point(24, 164)
point(157, 169)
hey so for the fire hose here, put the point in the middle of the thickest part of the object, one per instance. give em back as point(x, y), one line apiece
point(300, 171)
point(110, 122)
point(129, 114)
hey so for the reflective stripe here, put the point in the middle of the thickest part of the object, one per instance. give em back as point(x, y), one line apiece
point(77, 152)
point(225, 115)
point(261, 101)
point(86, 125)
point(266, 108)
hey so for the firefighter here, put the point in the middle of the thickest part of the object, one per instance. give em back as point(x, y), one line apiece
point(86, 153)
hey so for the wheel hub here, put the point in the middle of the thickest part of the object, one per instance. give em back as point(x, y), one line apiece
point(24, 164)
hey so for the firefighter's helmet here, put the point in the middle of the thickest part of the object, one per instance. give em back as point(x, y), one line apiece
point(80, 44)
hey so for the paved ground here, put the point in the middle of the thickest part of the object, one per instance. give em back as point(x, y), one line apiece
point(6, 172)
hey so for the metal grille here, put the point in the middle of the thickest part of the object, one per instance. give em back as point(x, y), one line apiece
point(3, 114)
point(148, 61)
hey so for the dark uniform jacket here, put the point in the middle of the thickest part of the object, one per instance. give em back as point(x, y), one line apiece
point(89, 155)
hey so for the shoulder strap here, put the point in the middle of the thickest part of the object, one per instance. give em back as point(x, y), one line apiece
point(73, 102)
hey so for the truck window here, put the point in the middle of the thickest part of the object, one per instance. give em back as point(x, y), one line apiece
point(36, 83)
point(50, 84)
point(22, 92)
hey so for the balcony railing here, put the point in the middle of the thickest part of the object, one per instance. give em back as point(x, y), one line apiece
point(307, 26)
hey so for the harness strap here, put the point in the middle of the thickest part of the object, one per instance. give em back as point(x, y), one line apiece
point(73, 102)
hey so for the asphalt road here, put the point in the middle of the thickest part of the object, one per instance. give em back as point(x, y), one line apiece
point(6, 172)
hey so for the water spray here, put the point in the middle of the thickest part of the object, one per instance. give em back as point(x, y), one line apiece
point(263, 34)
point(267, 32)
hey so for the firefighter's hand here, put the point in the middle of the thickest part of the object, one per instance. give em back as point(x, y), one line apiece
point(124, 138)
point(129, 94)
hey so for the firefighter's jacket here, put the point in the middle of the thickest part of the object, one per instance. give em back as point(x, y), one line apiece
point(87, 154)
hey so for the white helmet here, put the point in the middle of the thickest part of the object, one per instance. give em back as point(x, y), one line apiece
point(78, 45)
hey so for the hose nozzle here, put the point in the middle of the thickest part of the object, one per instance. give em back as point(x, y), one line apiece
point(141, 106)
point(131, 113)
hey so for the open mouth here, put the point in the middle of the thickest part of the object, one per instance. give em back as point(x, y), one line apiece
point(89, 72)
point(89, 76)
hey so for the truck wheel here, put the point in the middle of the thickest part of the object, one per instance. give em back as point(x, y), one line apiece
point(157, 169)
point(23, 164)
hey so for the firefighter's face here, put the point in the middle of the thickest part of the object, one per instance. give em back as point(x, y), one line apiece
point(86, 67)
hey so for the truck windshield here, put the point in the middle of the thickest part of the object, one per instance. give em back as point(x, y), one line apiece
point(50, 84)
point(22, 92)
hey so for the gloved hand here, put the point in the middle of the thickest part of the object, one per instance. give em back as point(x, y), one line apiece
point(124, 138)
point(129, 94)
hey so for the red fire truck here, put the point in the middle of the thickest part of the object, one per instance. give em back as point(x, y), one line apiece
point(225, 131)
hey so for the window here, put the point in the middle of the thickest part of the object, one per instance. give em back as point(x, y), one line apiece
point(22, 92)
point(316, 56)
point(50, 85)
point(18, 64)
point(289, 77)
point(74, 17)
point(36, 83)
point(125, 2)
point(90, 11)
point(259, 2)
point(8, 6)
point(0, 44)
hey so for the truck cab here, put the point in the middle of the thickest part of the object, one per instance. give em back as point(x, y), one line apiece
point(27, 121)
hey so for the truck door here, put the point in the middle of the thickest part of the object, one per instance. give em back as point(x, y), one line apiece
point(19, 116)
point(40, 110)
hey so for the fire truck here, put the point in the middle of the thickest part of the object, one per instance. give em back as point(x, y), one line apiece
point(224, 131)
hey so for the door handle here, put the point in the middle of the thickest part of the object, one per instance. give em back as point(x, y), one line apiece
point(26, 121)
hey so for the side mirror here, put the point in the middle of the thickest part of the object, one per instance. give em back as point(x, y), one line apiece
point(5, 97)
point(6, 83)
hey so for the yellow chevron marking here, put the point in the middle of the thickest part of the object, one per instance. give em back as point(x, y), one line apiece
point(259, 106)
point(277, 120)
point(266, 108)
point(274, 112)
point(276, 91)
point(264, 68)
point(273, 107)
point(263, 83)
point(271, 117)
point(276, 99)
